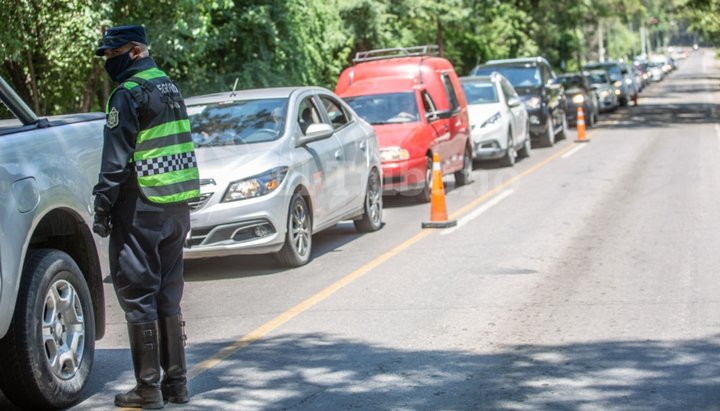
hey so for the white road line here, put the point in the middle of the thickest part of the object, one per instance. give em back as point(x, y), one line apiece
point(478, 211)
point(574, 150)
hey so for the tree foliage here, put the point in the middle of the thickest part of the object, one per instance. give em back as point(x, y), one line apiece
point(208, 45)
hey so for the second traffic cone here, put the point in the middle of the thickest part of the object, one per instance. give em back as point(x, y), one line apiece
point(438, 211)
point(581, 137)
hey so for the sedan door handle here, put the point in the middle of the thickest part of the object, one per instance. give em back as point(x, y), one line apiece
point(338, 154)
point(363, 145)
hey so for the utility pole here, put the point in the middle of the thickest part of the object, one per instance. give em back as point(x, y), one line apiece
point(601, 42)
point(643, 41)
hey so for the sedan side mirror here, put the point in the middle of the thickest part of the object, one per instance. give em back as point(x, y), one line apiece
point(514, 102)
point(315, 132)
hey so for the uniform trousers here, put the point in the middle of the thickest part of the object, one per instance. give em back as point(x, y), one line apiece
point(146, 250)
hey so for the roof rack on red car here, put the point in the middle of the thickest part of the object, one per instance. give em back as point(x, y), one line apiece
point(380, 54)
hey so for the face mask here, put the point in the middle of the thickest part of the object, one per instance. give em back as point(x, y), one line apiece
point(116, 65)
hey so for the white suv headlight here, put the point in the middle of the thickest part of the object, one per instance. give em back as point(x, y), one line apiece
point(256, 186)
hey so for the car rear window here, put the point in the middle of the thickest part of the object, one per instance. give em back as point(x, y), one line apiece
point(519, 76)
point(597, 78)
point(477, 92)
point(387, 108)
point(572, 81)
point(237, 122)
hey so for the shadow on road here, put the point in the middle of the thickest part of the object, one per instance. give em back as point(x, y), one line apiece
point(320, 372)
point(240, 266)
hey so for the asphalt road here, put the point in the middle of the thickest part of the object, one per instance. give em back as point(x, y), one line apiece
point(584, 278)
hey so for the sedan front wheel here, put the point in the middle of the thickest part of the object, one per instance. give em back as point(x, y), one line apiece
point(298, 238)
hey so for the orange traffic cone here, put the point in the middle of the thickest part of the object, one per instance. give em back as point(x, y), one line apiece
point(581, 138)
point(438, 211)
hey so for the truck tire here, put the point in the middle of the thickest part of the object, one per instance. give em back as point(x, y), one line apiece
point(51, 341)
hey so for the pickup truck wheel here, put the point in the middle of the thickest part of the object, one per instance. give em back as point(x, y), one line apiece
point(51, 341)
point(372, 215)
point(424, 195)
point(464, 176)
point(298, 238)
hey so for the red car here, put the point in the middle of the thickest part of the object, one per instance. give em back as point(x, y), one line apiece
point(417, 107)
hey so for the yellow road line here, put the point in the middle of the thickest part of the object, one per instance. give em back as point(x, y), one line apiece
point(318, 297)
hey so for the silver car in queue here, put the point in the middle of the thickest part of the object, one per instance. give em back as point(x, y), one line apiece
point(276, 166)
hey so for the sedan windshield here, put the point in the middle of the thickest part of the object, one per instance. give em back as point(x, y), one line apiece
point(386, 108)
point(237, 122)
point(479, 93)
point(518, 76)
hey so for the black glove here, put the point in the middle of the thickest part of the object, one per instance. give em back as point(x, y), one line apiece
point(101, 224)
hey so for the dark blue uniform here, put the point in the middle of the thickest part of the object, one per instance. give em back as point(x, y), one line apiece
point(146, 241)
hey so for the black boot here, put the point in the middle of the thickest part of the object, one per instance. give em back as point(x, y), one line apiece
point(172, 358)
point(144, 343)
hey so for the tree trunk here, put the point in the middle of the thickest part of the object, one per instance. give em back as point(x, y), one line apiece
point(90, 87)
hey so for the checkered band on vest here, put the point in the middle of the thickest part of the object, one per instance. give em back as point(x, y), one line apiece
point(165, 164)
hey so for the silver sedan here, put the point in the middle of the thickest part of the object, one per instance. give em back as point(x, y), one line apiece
point(277, 165)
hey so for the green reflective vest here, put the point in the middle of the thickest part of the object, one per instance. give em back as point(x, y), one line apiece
point(164, 155)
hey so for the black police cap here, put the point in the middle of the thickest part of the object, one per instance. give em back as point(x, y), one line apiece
point(115, 37)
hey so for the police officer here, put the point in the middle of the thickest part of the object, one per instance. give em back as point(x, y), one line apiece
point(147, 176)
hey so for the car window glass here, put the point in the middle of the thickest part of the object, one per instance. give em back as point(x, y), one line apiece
point(337, 115)
point(519, 76)
point(428, 102)
point(386, 108)
point(308, 114)
point(450, 90)
point(479, 92)
point(237, 122)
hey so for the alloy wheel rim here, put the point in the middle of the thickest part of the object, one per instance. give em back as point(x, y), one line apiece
point(300, 229)
point(374, 198)
point(63, 329)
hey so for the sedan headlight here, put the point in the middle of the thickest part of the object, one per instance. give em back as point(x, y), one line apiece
point(628, 81)
point(492, 120)
point(393, 154)
point(256, 186)
point(617, 83)
point(617, 92)
point(533, 102)
point(578, 99)
point(604, 93)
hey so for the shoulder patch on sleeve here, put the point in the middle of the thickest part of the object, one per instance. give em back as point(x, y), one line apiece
point(113, 118)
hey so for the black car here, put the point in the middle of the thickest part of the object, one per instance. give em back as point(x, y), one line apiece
point(542, 93)
point(579, 93)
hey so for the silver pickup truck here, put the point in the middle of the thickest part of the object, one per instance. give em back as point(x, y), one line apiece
point(52, 307)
